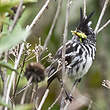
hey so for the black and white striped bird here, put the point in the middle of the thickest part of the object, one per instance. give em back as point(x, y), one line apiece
point(80, 52)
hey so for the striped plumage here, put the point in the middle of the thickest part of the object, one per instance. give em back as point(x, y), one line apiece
point(80, 52)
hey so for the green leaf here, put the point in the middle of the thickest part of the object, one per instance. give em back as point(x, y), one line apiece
point(24, 107)
point(2, 103)
point(8, 66)
point(12, 39)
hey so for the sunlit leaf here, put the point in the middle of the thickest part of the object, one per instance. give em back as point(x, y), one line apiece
point(8, 66)
point(11, 39)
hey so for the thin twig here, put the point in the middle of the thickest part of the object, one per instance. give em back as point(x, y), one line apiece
point(34, 91)
point(101, 16)
point(23, 89)
point(84, 8)
point(18, 13)
point(105, 25)
point(5, 87)
point(65, 35)
point(24, 95)
point(39, 15)
point(14, 92)
point(62, 103)
point(30, 58)
point(53, 24)
point(43, 99)
point(61, 92)
point(19, 56)
point(13, 73)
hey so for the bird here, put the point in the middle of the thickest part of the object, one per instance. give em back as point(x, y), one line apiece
point(79, 54)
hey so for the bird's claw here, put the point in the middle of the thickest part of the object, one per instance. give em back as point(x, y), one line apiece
point(70, 98)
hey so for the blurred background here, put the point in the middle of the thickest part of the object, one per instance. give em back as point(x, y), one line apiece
point(90, 90)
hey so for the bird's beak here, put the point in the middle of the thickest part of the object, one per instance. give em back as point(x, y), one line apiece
point(79, 34)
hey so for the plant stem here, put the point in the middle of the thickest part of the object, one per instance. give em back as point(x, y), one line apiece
point(53, 24)
point(101, 16)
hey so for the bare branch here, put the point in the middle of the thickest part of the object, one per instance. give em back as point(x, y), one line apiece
point(65, 35)
point(24, 94)
point(56, 99)
point(23, 89)
point(53, 25)
point(43, 99)
point(19, 10)
point(13, 74)
point(101, 16)
point(105, 25)
point(16, 84)
point(84, 8)
point(39, 15)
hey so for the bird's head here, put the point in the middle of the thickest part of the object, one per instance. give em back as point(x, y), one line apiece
point(84, 30)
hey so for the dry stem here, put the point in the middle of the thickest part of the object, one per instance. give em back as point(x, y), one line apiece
point(53, 24)
point(24, 95)
point(13, 74)
point(59, 96)
point(105, 25)
point(84, 8)
point(101, 16)
point(65, 36)
point(43, 99)
point(19, 10)
point(39, 15)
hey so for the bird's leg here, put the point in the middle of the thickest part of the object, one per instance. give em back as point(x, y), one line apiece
point(76, 82)
point(75, 85)
point(68, 97)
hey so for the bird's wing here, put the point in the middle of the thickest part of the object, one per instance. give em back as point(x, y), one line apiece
point(71, 52)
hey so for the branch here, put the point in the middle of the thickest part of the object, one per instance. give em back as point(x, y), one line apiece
point(61, 92)
point(25, 92)
point(101, 16)
point(13, 73)
point(39, 15)
point(19, 10)
point(105, 25)
point(43, 99)
point(65, 35)
point(84, 8)
point(53, 25)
